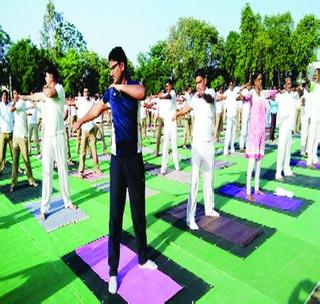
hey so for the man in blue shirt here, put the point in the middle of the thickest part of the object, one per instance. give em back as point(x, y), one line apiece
point(126, 168)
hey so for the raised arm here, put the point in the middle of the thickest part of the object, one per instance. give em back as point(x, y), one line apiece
point(136, 91)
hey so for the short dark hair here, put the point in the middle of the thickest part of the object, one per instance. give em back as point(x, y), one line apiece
point(170, 81)
point(51, 69)
point(118, 54)
point(201, 73)
point(5, 91)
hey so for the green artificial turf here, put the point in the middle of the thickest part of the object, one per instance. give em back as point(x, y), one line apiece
point(284, 269)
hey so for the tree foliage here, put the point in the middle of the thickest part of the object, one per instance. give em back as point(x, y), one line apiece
point(26, 66)
point(192, 44)
point(58, 35)
point(5, 44)
point(154, 69)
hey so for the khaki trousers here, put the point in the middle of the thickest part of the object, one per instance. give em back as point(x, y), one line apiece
point(85, 137)
point(20, 145)
point(5, 138)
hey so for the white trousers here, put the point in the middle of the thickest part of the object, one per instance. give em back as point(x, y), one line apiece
point(202, 154)
point(169, 135)
point(54, 149)
point(251, 164)
point(244, 128)
point(313, 141)
point(305, 125)
point(230, 135)
point(284, 151)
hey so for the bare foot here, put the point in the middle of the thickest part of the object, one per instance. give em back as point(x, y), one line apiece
point(259, 192)
point(42, 217)
point(250, 197)
point(33, 184)
point(72, 207)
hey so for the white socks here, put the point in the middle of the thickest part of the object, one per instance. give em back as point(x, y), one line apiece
point(113, 284)
point(149, 265)
point(213, 213)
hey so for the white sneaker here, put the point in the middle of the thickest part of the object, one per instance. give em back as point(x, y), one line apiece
point(193, 225)
point(212, 213)
point(113, 284)
point(151, 265)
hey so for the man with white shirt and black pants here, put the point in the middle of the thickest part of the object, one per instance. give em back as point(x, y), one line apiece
point(54, 142)
point(168, 108)
point(6, 127)
point(286, 120)
point(20, 143)
point(203, 108)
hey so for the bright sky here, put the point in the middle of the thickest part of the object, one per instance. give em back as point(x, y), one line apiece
point(137, 25)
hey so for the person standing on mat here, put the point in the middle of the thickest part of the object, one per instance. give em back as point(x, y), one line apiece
point(126, 168)
point(256, 133)
point(286, 119)
point(53, 142)
point(202, 104)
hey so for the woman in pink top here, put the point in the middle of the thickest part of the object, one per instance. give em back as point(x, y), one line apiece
point(256, 133)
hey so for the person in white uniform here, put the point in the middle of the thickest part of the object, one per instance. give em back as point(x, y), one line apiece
point(168, 105)
point(314, 133)
point(20, 143)
point(286, 120)
point(32, 118)
point(305, 118)
point(54, 142)
point(203, 108)
point(244, 117)
point(231, 108)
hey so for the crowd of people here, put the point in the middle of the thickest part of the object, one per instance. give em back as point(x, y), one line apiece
point(245, 113)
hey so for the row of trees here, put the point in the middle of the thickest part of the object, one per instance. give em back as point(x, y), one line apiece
point(270, 44)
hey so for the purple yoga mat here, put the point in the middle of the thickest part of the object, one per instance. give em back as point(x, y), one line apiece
point(224, 226)
point(136, 285)
point(267, 199)
point(302, 163)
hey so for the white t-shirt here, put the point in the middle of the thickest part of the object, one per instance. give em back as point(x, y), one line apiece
point(20, 120)
point(32, 113)
point(204, 118)
point(52, 113)
point(231, 103)
point(307, 104)
point(168, 107)
point(142, 109)
point(83, 105)
point(98, 119)
point(286, 109)
point(6, 118)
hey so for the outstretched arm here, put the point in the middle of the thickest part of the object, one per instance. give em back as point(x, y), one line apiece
point(94, 112)
point(186, 109)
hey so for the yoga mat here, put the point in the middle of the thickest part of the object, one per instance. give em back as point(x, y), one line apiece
point(236, 235)
point(150, 167)
point(224, 227)
point(105, 187)
point(58, 216)
point(89, 175)
point(302, 163)
point(147, 150)
point(103, 157)
point(299, 179)
point(171, 283)
point(179, 176)
point(218, 164)
point(268, 199)
point(23, 192)
point(136, 285)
